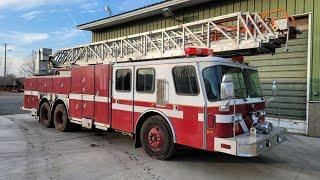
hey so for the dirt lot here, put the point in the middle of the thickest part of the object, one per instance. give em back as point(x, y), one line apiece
point(29, 151)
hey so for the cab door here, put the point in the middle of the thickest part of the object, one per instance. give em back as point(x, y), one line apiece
point(122, 101)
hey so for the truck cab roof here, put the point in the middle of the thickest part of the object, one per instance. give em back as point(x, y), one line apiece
point(209, 59)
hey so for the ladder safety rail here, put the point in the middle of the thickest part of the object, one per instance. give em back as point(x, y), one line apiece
point(240, 33)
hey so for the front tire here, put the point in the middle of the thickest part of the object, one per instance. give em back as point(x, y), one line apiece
point(156, 138)
point(60, 118)
point(45, 115)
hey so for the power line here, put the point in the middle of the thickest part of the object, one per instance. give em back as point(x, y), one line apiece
point(75, 23)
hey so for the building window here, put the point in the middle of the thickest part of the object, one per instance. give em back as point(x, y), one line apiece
point(185, 80)
point(145, 80)
point(123, 80)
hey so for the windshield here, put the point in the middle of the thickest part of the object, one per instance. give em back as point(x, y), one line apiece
point(246, 82)
point(252, 81)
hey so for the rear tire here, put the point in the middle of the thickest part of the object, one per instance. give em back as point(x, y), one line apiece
point(156, 138)
point(45, 115)
point(60, 118)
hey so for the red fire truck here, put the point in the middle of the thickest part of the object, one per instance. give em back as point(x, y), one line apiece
point(184, 85)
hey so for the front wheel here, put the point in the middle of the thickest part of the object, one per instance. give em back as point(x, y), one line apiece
point(157, 139)
point(60, 118)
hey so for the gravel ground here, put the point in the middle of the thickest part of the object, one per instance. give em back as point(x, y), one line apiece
point(29, 151)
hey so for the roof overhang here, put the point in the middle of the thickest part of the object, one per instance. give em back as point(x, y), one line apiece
point(141, 13)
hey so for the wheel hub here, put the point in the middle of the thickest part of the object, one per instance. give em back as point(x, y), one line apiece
point(155, 138)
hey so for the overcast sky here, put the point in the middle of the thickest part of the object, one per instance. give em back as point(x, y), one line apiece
point(27, 25)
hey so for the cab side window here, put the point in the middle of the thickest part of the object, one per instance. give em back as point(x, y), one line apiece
point(123, 80)
point(185, 80)
point(145, 80)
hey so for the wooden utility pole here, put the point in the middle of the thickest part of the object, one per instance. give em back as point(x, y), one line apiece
point(5, 67)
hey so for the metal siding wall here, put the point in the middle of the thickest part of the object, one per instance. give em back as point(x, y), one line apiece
point(217, 8)
point(291, 6)
point(300, 5)
point(209, 9)
point(315, 96)
point(290, 70)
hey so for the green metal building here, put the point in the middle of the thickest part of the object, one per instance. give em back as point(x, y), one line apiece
point(297, 70)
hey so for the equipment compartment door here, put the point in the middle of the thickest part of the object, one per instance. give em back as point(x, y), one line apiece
point(75, 104)
point(27, 102)
point(87, 81)
point(82, 92)
point(75, 97)
point(44, 84)
point(102, 94)
point(122, 102)
point(30, 83)
point(61, 85)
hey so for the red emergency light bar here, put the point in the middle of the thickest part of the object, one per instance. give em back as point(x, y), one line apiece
point(192, 51)
point(239, 59)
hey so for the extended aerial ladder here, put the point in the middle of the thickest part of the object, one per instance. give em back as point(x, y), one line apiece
point(240, 33)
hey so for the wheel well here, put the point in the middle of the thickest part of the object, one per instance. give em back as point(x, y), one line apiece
point(142, 119)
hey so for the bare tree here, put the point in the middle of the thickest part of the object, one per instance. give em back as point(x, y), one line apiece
point(27, 68)
point(11, 78)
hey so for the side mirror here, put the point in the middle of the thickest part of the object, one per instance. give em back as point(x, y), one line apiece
point(227, 88)
point(275, 90)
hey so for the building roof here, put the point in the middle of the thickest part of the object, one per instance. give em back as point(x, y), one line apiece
point(143, 12)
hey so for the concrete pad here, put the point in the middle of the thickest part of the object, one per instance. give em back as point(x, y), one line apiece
point(29, 151)
point(314, 121)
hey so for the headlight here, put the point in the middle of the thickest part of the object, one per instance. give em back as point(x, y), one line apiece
point(265, 127)
point(262, 113)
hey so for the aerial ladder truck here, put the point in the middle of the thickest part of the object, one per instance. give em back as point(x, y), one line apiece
point(182, 85)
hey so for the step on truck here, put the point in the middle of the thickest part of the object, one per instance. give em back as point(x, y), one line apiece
point(183, 85)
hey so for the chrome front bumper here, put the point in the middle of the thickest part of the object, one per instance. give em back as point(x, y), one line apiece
point(245, 145)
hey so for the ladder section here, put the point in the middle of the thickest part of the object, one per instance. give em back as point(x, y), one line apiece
point(240, 33)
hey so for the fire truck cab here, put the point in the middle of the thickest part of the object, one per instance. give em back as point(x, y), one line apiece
point(209, 103)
